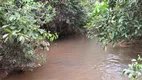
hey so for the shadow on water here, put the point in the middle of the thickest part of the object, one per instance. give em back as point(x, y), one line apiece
point(77, 58)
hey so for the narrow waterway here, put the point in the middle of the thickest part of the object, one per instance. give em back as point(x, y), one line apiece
point(77, 58)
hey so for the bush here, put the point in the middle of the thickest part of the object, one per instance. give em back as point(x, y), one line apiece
point(134, 71)
point(20, 33)
point(70, 16)
point(116, 20)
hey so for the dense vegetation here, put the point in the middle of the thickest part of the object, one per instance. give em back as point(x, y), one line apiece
point(116, 20)
point(29, 25)
point(70, 17)
point(26, 24)
point(20, 32)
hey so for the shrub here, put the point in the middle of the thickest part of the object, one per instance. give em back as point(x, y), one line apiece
point(20, 33)
point(134, 71)
point(116, 20)
point(70, 16)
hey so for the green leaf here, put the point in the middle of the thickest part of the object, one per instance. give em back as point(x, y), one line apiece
point(49, 7)
point(130, 75)
point(5, 26)
point(5, 35)
point(8, 30)
point(12, 17)
point(22, 39)
point(41, 31)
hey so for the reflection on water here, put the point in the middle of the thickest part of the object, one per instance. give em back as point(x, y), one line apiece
point(77, 58)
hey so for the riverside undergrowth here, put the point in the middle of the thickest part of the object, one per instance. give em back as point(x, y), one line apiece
point(21, 35)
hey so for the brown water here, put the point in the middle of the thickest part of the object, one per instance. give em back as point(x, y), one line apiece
point(77, 58)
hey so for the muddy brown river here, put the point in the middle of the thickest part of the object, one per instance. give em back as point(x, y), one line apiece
point(77, 58)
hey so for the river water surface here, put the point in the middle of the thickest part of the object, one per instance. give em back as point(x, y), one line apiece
point(77, 58)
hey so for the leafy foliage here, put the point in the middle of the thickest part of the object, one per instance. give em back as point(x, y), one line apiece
point(20, 32)
point(134, 71)
point(70, 16)
point(116, 20)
